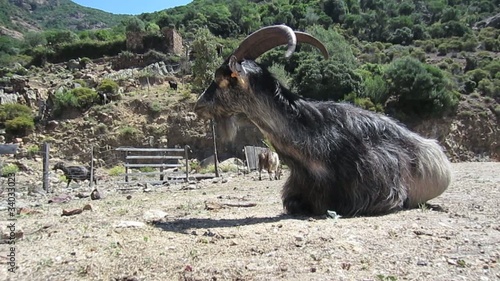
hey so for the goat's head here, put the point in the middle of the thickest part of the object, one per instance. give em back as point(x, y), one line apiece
point(240, 84)
point(58, 165)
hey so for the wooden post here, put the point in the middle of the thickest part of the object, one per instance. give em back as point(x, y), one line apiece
point(91, 166)
point(46, 169)
point(126, 166)
point(216, 158)
point(187, 161)
point(163, 153)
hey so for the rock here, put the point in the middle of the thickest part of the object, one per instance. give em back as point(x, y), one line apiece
point(129, 224)
point(154, 215)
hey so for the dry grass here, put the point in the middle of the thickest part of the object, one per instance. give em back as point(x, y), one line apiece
point(457, 241)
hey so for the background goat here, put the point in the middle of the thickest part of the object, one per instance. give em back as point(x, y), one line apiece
point(173, 85)
point(269, 161)
point(341, 158)
point(76, 173)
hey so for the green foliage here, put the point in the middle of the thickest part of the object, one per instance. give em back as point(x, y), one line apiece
point(14, 110)
point(278, 70)
point(80, 98)
point(134, 24)
point(325, 79)
point(117, 171)
point(129, 132)
point(108, 86)
point(58, 37)
point(19, 126)
point(9, 170)
point(206, 60)
point(420, 89)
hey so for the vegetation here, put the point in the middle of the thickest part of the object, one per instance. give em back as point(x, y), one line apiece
point(81, 98)
point(379, 49)
point(9, 169)
point(17, 119)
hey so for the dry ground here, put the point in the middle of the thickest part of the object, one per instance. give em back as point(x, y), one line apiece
point(215, 232)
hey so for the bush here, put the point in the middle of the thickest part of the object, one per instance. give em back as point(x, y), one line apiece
point(108, 86)
point(79, 98)
point(420, 89)
point(11, 111)
point(9, 170)
point(116, 171)
point(20, 126)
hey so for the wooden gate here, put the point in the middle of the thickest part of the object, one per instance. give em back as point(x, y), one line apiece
point(170, 164)
point(252, 156)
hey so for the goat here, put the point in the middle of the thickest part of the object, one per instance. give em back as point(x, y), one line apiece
point(270, 161)
point(76, 173)
point(173, 85)
point(341, 158)
point(103, 98)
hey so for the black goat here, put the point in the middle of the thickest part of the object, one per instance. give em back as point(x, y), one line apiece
point(173, 85)
point(341, 158)
point(76, 173)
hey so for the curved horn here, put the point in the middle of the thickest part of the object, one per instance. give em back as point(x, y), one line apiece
point(303, 37)
point(269, 37)
point(264, 40)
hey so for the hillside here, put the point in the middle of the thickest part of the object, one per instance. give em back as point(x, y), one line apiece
point(431, 64)
point(21, 16)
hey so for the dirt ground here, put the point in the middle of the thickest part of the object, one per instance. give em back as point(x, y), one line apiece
point(234, 229)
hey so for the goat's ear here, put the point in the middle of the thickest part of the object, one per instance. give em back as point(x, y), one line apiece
point(235, 67)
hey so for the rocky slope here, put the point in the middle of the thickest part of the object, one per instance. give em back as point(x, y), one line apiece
point(150, 113)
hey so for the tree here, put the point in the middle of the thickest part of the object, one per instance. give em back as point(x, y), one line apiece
point(134, 24)
point(206, 60)
point(420, 89)
point(325, 79)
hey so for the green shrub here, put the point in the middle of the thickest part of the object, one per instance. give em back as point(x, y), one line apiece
point(11, 111)
point(420, 89)
point(21, 125)
point(85, 61)
point(80, 98)
point(108, 86)
point(129, 132)
point(9, 169)
point(117, 171)
point(477, 75)
point(496, 110)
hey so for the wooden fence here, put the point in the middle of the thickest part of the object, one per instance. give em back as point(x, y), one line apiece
point(252, 156)
point(168, 161)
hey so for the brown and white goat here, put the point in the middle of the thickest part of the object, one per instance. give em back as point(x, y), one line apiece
point(269, 161)
point(341, 158)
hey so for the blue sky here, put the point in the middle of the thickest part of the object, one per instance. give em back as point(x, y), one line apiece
point(131, 7)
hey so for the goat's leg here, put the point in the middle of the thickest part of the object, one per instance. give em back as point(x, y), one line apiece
point(69, 180)
point(260, 174)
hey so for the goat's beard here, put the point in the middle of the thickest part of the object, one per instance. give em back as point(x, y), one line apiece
point(226, 127)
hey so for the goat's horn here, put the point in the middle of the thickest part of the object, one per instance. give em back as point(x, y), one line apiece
point(264, 40)
point(269, 37)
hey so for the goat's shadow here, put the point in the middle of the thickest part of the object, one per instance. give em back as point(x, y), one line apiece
point(187, 225)
point(190, 224)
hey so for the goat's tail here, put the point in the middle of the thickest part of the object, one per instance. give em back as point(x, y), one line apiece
point(433, 174)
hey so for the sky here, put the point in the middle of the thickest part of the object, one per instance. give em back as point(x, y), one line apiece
point(131, 7)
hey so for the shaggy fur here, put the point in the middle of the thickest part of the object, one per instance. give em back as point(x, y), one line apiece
point(75, 173)
point(341, 158)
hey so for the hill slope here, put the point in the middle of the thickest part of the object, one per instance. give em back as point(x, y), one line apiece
point(20, 16)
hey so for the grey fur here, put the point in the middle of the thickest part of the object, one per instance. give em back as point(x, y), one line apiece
point(341, 158)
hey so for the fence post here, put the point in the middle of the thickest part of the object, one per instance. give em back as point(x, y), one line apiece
point(91, 166)
point(46, 169)
point(126, 166)
point(187, 162)
point(216, 159)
